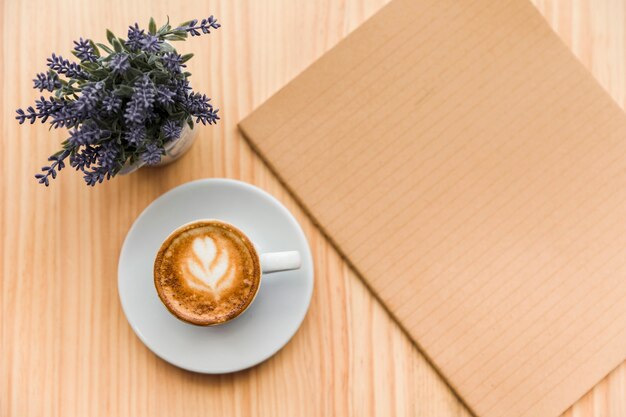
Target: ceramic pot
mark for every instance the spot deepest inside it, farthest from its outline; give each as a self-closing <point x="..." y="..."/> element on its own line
<point x="173" y="150"/>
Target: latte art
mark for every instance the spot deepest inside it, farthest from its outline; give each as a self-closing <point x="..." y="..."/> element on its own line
<point x="207" y="272"/>
<point x="209" y="268"/>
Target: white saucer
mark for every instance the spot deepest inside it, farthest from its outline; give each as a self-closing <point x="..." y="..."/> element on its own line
<point x="277" y="311"/>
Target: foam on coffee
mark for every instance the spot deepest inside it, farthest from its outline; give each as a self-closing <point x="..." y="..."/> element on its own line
<point x="207" y="272"/>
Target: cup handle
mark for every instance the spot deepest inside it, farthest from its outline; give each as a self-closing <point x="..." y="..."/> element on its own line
<point x="280" y="261"/>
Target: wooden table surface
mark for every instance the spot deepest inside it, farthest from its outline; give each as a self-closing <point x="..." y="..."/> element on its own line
<point x="66" y="348"/>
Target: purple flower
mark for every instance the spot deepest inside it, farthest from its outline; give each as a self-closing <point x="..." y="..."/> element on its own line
<point x="89" y="98"/>
<point x="151" y="44"/>
<point x="63" y="66"/>
<point x="198" y="105"/>
<point x="30" y="115"/>
<point x="83" y="158"/>
<point x="152" y="154"/>
<point x="52" y="169"/>
<point x="119" y="64"/>
<point x="49" y="81"/>
<point x="182" y="88"/>
<point x="139" y="108"/>
<point x="165" y="96"/>
<point x="171" y="130"/>
<point x="135" y="38"/>
<point x="144" y="91"/>
<point x="173" y="61"/>
<point x="205" y="26"/>
<point x="135" y="135"/>
<point x="66" y="116"/>
<point x="84" y="51"/>
<point x="87" y="134"/>
<point x="96" y="176"/>
<point x="108" y="153"/>
<point x="111" y="104"/>
<point x="45" y="109"/>
<point x="134" y="113"/>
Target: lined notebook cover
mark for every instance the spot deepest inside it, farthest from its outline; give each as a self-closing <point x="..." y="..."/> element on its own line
<point x="474" y="174"/>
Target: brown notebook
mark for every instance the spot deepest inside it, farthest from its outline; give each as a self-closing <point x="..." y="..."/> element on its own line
<point x="474" y="174"/>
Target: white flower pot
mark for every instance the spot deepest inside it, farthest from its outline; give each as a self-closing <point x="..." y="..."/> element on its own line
<point x="173" y="150"/>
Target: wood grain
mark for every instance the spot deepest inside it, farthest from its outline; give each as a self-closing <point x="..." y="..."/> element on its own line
<point x="66" y="348"/>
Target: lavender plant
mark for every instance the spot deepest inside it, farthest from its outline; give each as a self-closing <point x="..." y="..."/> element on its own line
<point x="122" y="102"/>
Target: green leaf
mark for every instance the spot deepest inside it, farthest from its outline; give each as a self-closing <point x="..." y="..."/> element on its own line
<point x="110" y="36"/>
<point x="124" y="91"/>
<point x="165" y="28"/>
<point x="132" y="74"/>
<point x="142" y="63"/>
<point x="190" y="123"/>
<point x="166" y="47"/>
<point x="96" y="51"/>
<point x="117" y="45"/>
<point x="152" y="26"/>
<point x="101" y="73"/>
<point x="175" y="37"/>
<point x="187" y="57"/>
<point x="106" y="48"/>
<point x="185" y="24"/>
<point x="89" y="66"/>
<point x="160" y="75"/>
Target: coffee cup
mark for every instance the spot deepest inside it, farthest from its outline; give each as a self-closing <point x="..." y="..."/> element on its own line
<point x="208" y="272"/>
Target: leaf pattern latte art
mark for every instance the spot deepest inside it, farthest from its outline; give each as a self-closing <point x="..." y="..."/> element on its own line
<point x="209" y="268"/>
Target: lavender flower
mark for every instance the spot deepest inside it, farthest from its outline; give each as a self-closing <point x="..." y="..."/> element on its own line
<point x="84" y="158"/>
<point x="52" y="169"/>
<point x="111" y="104"/>
<point x="135" y="135"/>
<point x="49" y="81"/>
<point x="198" y="105"/>
<point x="182" y="88"/>
<point x="171" y="130"/>
<point x="139" y="108"/>
<point x="205" y="26"/>
<point x="58" y="109"/>
<point x="165" y="96"/>
<point x="152" y="154"/>
<point x="173" y="61"/>
<point x="87" y="102"/>
<point x="144" y="92"/>
<point x="121" y="107"/>
<point x="151" y="44"/>
<point x="63" y="66"/>
<point x="45" y="108"/>
<point x="30" y="115"/>
<point x="135" y="38"/>
<point x="65" y="116"/>
<point x="119" y="64"/>
<point x="96" y="176"/>
<point x="87" y="134"/>
<point x="134" y="113"/>
<point x="107" y="156"/>
<point x="84" y="51"/>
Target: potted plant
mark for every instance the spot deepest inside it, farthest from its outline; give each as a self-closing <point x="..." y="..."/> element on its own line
<point x="125" y="104"/>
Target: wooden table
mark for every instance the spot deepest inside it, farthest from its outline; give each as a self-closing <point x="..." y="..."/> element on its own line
<point x="66" y="348"/>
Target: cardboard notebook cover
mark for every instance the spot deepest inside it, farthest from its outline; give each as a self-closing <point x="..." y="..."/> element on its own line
<point x="474" y="174"/>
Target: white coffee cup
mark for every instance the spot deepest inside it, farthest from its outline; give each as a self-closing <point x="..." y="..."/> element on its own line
<point x="206" y="280"/>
